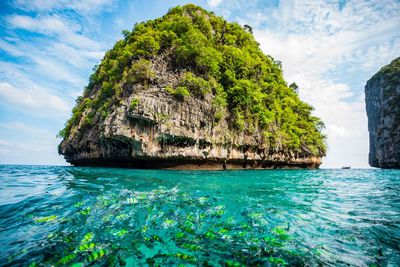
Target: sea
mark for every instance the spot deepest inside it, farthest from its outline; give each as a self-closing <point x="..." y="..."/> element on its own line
<point x="73" y="216"/>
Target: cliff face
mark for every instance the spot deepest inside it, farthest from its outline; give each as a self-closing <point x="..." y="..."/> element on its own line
<point x="179" y="102"/>
<point x="382" y="97"/>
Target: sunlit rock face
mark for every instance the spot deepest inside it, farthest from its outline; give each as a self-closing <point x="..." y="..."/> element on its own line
<point x="165" y="132"/>
<point x="382" y="97"/>
<point x="158" y="101"/>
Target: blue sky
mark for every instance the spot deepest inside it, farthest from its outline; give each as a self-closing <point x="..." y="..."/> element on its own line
<point x="330" y="49"/>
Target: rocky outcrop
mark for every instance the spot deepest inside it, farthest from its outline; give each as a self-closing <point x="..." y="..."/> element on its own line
<point x="165" y="132"/>
<point x="158" y="101"/>
<point x="382" y="97"/>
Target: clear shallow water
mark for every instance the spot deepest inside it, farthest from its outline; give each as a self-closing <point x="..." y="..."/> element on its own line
<point x="95" y="216"/>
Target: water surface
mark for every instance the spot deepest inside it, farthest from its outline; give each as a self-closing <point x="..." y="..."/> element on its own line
<point x="96" y="216"/>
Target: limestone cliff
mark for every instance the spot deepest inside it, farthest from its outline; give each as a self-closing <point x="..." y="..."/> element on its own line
<point x="191" y="91"/>
<point x="382" y="97"/>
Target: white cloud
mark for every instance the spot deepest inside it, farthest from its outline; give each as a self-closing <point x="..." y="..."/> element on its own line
<point x="87" y="6"/>
<point x="4" y="147"/>
<point x="4" y="142"/>
<point x="34" y="98"/>
<point x="22" y="127"/>
<point x="13" y="72"/>
<point x="37" y="4"/>
<point x="57" y="61"/>
<point x="11" y="49"/>
<point x="214" y="3"/>
<point x="54" y="26"/>
<point x="43" y="72"/>
<point x="4" y="151"/>
<point x="47" y="25"/>
<point x="25" y="77"/>
<point x="28" y="144"/>
<point x="90" y="5"/>
<point x="53" y="69"/>
<point x="49" y="58"/>
<point x="77" y="58"/>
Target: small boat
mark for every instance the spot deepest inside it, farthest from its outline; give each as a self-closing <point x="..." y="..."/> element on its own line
<point x="346" y="167"/>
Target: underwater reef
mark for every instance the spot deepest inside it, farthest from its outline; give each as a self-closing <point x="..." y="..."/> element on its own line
<point x="163" y="227"/>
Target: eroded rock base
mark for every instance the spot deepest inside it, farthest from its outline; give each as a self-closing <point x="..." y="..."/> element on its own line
<point x="180" y="164"/>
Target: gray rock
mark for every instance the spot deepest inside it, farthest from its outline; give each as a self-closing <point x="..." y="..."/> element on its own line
<point x="382" y="97"/>
<point x="165" y="132"/>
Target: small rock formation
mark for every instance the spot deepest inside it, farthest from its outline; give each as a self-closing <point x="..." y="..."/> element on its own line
<point x="382" y="97"/>
<point x="191" y="91"/>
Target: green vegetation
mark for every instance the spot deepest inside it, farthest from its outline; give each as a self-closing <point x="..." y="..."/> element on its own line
<point x="179" y="92"/>
<point x="215" y="58"/>
<point x="190" y="84"/>
<point x="46" y="219"/>
<point x="134" y="103"/>
<point x="141" y="71"/>
<point x="390" y="72"/>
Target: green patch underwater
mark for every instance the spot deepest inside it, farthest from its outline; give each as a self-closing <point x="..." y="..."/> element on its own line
<point x="63" y="216"/>
<point x="165" y="227"/>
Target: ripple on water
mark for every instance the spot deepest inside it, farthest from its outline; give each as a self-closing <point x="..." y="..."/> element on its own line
<point x="64" y="216"/>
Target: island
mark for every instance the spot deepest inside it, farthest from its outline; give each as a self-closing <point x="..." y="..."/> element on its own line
<point x="382" y="97"/>
<point x="190" y="90"/>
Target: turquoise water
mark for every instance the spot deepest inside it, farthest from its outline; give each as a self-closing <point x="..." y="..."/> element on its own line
<point x="102" y="217"/>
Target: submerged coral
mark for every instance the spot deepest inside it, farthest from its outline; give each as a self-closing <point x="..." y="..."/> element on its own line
<point x="165" y="227"/>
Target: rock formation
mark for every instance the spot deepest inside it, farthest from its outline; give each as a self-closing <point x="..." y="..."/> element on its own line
<point x="382" y="97"/>
<point x="191" y="91"/>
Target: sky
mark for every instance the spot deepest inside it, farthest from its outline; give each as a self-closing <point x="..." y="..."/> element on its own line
<point x="329" y="48"/>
